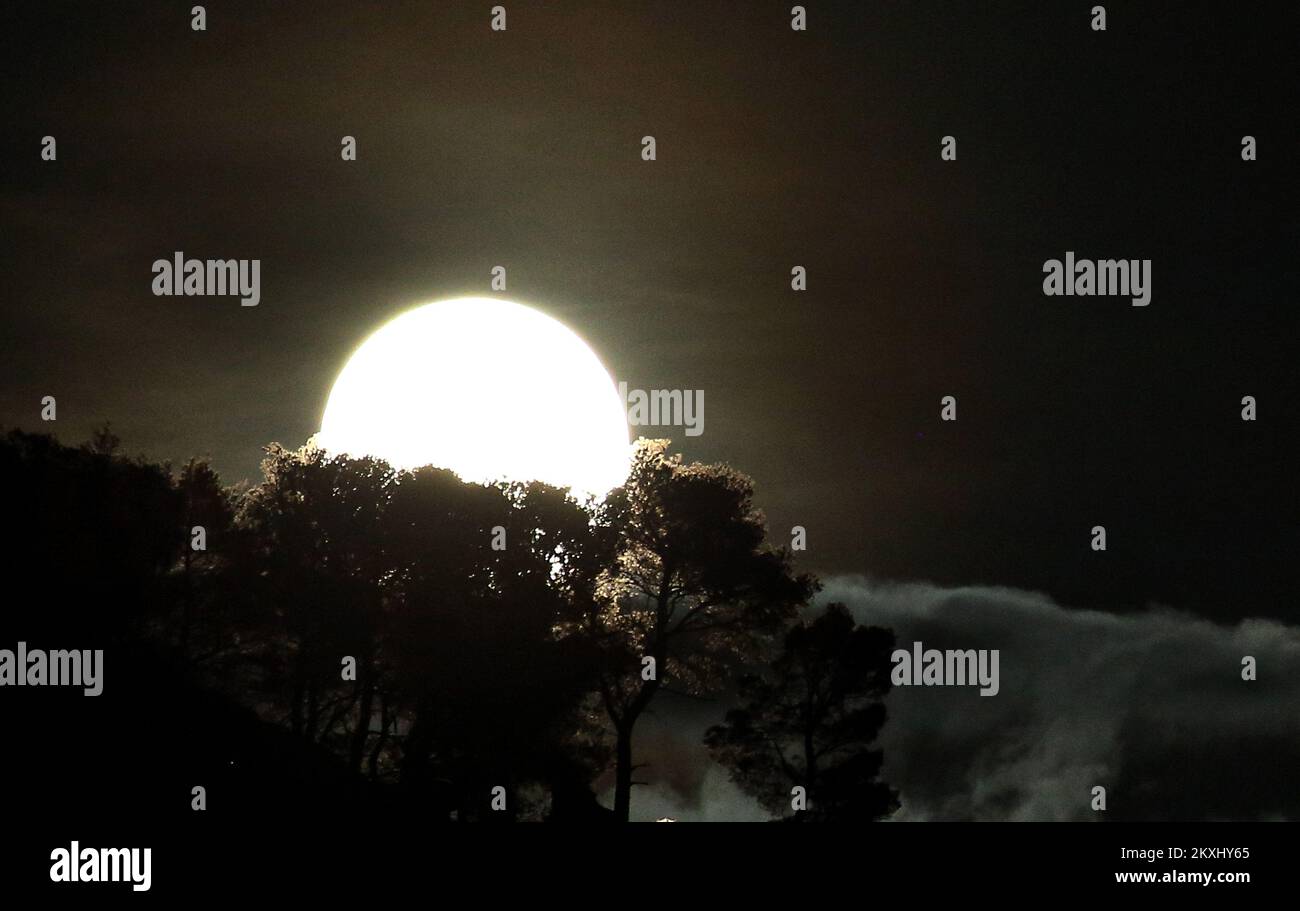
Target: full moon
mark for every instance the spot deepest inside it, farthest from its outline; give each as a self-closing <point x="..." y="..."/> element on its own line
<point x="490" y="389"/>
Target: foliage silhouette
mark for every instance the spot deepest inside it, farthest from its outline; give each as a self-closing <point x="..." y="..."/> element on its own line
<point x="493" y="636"/>
<point x="692" y="585"/>
<point x="810" y="723"/>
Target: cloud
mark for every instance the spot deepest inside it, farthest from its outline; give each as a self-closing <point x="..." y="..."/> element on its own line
<point x="1149" y="705"/>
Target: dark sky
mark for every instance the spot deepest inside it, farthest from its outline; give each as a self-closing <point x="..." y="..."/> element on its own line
<point x="775" y="149"/>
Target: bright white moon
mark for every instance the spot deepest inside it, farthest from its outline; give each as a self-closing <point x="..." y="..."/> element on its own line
<point x="488" y="388"/>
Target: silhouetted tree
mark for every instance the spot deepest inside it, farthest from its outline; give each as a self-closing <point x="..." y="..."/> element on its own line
<point x="810" y="723"/>
<point x="95" y="538"/>
<point x="498" y="631"/>
<point x="103" y="441"/>
<point x="97" y="531"/>
<point x="208" y="506"/>
<point x="321" y="551"/>
<point x="693" y="585"/>
<point x="483" y="575"/>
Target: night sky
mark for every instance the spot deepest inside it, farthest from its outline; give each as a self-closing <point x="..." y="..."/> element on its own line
<point x="775" y="148"/>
